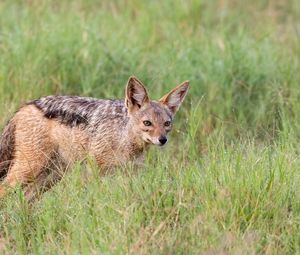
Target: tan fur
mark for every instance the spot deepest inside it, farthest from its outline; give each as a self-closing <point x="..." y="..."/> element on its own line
<point x="39" y="140"/>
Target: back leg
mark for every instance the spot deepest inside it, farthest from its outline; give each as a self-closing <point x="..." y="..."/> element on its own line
<point x="26" y="168"/>
<point x="33" y="147"/>
<point x="47" y="178"/>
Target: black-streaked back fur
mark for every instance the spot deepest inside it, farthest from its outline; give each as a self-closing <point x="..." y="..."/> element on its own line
<point x="75" y="111"/>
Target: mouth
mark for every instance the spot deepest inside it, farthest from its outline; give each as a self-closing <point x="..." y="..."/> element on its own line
<point x="157" y="144"/>
<point x="149" y="141"/>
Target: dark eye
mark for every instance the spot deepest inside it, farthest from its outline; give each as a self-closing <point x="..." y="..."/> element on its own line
<point x="147" y="123"/>
<point x="167" y="123"/>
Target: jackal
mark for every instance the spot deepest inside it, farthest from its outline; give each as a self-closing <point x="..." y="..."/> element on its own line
<point x="69" y="128"/>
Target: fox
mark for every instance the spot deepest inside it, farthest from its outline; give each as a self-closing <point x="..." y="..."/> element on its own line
<point x="66" y="129"/>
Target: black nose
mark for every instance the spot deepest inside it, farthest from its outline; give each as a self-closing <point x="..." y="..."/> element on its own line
<point x="162" y="140"/>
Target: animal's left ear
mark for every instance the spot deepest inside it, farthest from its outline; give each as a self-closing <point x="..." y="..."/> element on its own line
<point x="175" y="97"/>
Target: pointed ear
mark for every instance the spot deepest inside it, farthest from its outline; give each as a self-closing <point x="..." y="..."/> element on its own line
<point x="136" y="94"/>
<point x="175" y="97"/>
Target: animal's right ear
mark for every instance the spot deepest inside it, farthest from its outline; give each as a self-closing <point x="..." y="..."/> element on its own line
<point x="175" y="97"/>
<point x="136" y="94"/>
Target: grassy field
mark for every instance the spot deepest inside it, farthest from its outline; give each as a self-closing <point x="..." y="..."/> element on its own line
<point x="228" y="182"/>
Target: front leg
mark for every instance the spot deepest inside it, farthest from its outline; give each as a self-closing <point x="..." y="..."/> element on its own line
<point x="139" y="162"/>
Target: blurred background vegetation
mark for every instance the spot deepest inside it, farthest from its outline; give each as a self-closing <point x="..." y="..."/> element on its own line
<point x="242" y="58"/>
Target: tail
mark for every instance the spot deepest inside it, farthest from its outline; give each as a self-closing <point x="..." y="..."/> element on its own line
<point x="7" y="144"/>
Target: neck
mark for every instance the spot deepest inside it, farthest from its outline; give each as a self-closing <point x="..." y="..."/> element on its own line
<point x="132" y="141"/>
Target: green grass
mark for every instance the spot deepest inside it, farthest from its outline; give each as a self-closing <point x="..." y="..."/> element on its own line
<point x="228" y="182"/>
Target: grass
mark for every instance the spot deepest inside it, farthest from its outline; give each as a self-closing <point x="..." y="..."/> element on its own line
<point x="228" y="181"/>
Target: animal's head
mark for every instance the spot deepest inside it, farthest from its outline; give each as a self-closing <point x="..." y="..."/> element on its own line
<point x="152" y="120"/>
